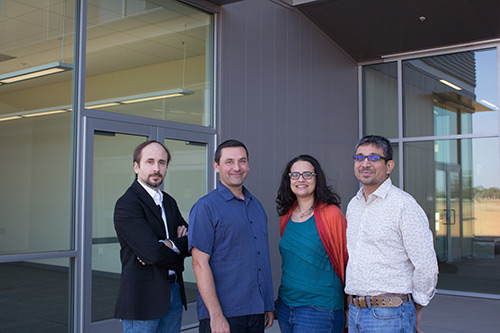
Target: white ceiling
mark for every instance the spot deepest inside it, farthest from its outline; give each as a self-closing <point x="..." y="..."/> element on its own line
<point x="121" y="34"/>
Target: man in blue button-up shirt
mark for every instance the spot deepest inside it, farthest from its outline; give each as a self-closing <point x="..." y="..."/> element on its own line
<point x="228" y="240"/>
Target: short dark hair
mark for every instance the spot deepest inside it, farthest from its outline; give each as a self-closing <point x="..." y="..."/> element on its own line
<point x="138" y="151"/>
<point x="378" y="141"/>
<point x="323" y="193"/>
<point x="227" y="144"/>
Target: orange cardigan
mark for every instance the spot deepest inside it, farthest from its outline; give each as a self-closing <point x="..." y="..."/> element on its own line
<point x="331" y="224"/>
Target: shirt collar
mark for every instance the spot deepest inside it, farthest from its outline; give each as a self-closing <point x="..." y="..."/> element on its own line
<point x="380" y="192"/>
<point x="156" y="195"/>
<point x="228" y="195"/>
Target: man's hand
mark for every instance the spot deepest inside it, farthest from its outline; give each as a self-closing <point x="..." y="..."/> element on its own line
<point x="181" y="231"/>
<point x="219" y="324"/>
<point x="419" y="316"/>
<point x="268" y="319"/>
<point x="168" y="243"/>
<point x="142" y="262"/>
<point x="206" y="287"/>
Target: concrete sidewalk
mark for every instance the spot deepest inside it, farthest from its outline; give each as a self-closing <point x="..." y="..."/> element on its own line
<point x="449" y="314"/>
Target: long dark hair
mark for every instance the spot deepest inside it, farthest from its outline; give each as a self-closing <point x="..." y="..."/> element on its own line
<point x="322" y="193"/>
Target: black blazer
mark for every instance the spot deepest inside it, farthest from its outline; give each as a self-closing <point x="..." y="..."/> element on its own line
<point x="144" y="292"/>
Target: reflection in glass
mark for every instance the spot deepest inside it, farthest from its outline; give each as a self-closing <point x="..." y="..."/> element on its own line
<point x="457" y="182"/>
<point x="113" y="174"/>
<point x="34" y="296"/>
<point x="164" y="46"/>
<point x="35" y="175"/>
<point x="32" y="36"/>
<point x="451" y="94"/>
<point x="186" y="181"/>
<point x="380" y="99"/>
<point x="35" y="142"/>
<point x="395" y="171"/>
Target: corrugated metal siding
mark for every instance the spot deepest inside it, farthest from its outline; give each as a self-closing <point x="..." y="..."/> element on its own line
<point x="286" y="89"/>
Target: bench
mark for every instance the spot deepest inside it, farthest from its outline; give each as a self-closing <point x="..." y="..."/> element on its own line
<point x="486" y="246"/>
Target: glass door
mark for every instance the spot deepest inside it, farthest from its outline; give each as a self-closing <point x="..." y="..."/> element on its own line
<point x="110" y="147"/>
<point x="449" y="234"/>
<point x="113" y="174"/>
<point x="186" y="182"/>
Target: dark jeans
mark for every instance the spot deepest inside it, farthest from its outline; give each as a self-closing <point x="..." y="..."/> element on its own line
<point x="309" y="319"/>
<point x="250" y="323"/>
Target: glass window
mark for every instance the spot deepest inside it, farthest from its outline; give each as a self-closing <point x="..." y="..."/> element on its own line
<point x="186" y="181"/>
<point x="113" y="174"/>
<point x="451" y="94"/>
<point x="34" y="296"/>
<point x="150" y="59"/>
<point x="395" y="171"/>
<point x="380" y="99"/>
<point x="35" y="203"/>
<point x="35" y="132"/>
<point x="457" y="182"/>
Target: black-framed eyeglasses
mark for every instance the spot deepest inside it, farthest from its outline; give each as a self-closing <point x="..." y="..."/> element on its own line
<point x="306" y="175"/>
<point x="371" y="158"/>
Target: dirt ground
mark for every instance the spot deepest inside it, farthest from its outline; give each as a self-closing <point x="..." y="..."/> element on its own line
<point x="487" y="214"/>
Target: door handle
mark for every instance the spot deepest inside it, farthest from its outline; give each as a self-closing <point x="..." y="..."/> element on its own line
<point x="448" y="216"/>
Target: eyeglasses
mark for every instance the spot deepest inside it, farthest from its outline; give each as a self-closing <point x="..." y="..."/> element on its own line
<point x="371" y="158"/>
<point x="306" y="175"/>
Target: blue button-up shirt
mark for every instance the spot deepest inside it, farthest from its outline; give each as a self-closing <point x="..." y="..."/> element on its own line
<point x="234" y="233"/>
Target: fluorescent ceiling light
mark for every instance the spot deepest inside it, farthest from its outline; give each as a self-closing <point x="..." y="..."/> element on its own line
<point x="100" y="104"/>
<point x="10" y="118"/>
<point x="138" y="98"/>
<point x="449" y="84"/>
<point x="489" y="104"/>
<point x="30" y="73"/>
<point x="45" y="113"/>
<point x="104" y="105"/>
<point x="32" y="113"/>
<point x="145" y="99"/>
<point x="156" y="95"/>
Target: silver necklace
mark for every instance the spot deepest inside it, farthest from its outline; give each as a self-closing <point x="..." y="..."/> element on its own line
<point x="307" y="212"/>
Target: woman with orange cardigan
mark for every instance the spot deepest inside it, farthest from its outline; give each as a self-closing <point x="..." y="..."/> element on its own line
<point x="313" y="251"/>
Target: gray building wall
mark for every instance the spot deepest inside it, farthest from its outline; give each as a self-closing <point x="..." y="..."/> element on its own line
<point x="285" y="89"/>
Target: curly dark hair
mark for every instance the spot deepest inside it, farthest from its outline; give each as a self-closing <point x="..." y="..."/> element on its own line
<point x="322" y="193"/>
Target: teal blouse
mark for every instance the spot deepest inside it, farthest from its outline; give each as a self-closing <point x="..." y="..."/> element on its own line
<point x="308" y="277"/>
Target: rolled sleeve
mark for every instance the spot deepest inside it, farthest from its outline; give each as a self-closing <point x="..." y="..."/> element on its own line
<point x="419" y="245"/>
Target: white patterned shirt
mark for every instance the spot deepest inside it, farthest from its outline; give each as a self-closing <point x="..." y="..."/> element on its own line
<point x="390" y="246"/>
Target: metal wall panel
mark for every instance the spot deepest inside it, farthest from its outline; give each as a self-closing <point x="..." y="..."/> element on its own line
<point x="285" y="89"/>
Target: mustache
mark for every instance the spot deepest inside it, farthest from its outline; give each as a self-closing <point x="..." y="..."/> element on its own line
<point x="156" y="174"/>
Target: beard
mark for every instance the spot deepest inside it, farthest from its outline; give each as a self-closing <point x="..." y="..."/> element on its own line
<point x="152" y="183"/>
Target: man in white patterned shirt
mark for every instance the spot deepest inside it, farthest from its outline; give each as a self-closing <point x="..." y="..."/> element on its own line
<point x="392" y="270"/>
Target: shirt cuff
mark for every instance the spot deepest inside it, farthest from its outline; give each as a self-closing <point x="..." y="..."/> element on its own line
<point x="174" y="247"/>
<point x="423" y="299"/>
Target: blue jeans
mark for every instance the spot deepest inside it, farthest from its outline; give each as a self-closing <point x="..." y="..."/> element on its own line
<point x="251" y="323"/>
<point x="169" y="323"/>
<point x="309" y="319"/>
<point x="388" y="320"/>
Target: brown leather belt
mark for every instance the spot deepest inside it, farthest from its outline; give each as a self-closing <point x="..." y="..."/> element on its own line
<point x="380" y="301"/>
